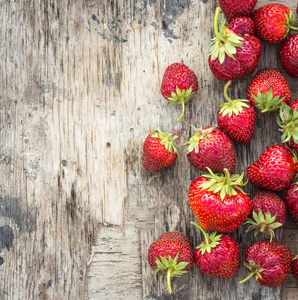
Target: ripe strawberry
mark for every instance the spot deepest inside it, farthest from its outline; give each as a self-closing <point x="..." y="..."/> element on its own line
<point x="294" y="104"/>
<point x="179" y="84"/>
<point x="268" y="262"/>
<point x="288" y="55"/>
<point x="237" y="118"/>
<point x="242" y="25"/>
<point x="273" y="22"/>
<point x="232" y="56"/>
<point x="171" y="255"/>
<point x="236" y="8"/>
<point x="294" y="267"/>
<point x="291" y="201"/>
<point x="268" y="213"/>
<point x="217" y="201"/>
<point x="210" y="147"/>
<point x="288" y="121"/>
<point x="159" y="151"/>
<point x="268" y="89"/>
<point x="274" y="170"/>
<point x="218" y="255"/>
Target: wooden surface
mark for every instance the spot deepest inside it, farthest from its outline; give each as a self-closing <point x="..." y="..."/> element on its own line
<point x="79" y="92"/>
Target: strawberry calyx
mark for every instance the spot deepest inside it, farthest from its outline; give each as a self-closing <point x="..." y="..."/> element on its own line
<point x="167" y="140"/>
<point x="194" y="141"/>
<point x="264" y="224"/>
<point x="255" y="270"/>
<point x="171" y="268"/>
<point x="290" y="22"/>
<point x="266" y="101"/>
<point x="288" y="122"/>
<point x="181" y="97"/>
<point x="211" y="240"/>
<point x="232" y="106"/>
<point x="225" y="184"/>
<point x="225" y="41"/>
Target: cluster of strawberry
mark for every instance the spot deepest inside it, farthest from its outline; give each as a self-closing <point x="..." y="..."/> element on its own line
<point x="216" y="198"/>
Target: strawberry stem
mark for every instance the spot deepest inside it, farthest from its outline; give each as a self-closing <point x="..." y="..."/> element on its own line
<point x="169" y="281"/>
<point x="225" y="92"/>
<point x="205" y="235"/>
<point x="219" y="37"/>
<point x="183" y="108"/>
<point x="292" y="27"/>
<point x="249" y="276"/>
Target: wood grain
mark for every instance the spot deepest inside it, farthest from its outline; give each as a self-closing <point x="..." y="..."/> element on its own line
<point x="79" y="92"/>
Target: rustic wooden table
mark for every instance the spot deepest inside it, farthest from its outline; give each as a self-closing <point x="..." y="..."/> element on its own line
<point x="79" y="92"/>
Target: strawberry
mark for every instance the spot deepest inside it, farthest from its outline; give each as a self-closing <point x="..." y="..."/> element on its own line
<point x="242" y="25"/>
<point x="171" y="255"/>
<point x="217" y="201"/>
<point x="268" y="89"/>
<point x="268" y="262"/>
<point x="211" y="147"/>
<point x="268" y="213"/>
<point x="159" y="151"/>
<point x="294" y="104"/>
<point x="236" y="8"/>
<point x="291" y="201"/>
<point x="179" y="84"/>
<point x="294" y="267"/>
<point x="237" y="118"/>
<point x="274" y="170"/>
<point x="288" y="55"/>
<point x="218" y="255"/>
<point x="232" y="56"/>
<point x="273" y="22"/>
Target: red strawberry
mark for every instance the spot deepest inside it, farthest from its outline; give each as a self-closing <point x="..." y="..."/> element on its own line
<point x="210" y="147"/>
<point x="268" y="213"/>
<point x="217" y="205"/>
<point x="291" y="201"/>
<point x="237" y="8"/>
<point x="268" y="89"/>
<point x="179" y="84"/>
<point x="237" y="118"/>
<point x="294" y="267"/>
<point x="232" y="56"/>
<point x="218" y="255"/>
<point x="242" y="25"/>
<point x="288" y="55"/>
<point x="171" y="255"/>
<point x="159" y="151"/>
<point x="268" y="262"/>
<point x="288" y="122"/>
<point x="294" y="104"/>
<point x="274" y="170"/>
<point x="273" y="22"/>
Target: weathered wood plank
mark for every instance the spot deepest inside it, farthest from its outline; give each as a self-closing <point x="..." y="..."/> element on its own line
<point x="161" y="199"/>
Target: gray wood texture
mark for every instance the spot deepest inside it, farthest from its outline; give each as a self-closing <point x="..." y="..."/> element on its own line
<point x="79" y="92"/>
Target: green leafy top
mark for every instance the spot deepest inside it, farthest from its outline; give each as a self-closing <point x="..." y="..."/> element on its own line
<point x="288" y="122"/>
<point x="225" y="42"/>
<point x="266" y="101"/>
<point x="264" y="224"/>
<point x="225" y="184"/>
<point x="167" y="140"/>
<point x="290" y="22"/>
<point x="194" y="141"/>
<point x="171" y="267"/>
<point x="181" y="97"/>
<point x="211" y="240"/>
<point x="232" y="106"/>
